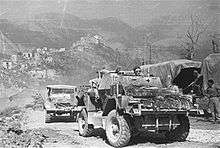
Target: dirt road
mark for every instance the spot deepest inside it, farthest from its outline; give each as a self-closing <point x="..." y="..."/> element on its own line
<point x="65" y="134"/>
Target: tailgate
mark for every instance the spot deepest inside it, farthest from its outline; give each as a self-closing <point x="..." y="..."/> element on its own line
<point x="141" y="109"/>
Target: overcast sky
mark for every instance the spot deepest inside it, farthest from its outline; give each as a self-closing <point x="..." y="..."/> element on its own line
<point x="133" y="12"/>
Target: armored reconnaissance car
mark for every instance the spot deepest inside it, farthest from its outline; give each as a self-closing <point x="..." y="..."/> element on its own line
<point x="131" y="104"/>
<point x="61" y="99"/>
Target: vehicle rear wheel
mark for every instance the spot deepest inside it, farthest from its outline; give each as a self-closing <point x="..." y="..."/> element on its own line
<point x="181" y="132"/>
<point x="117" y="130"/>
<point x="85" y="129"/>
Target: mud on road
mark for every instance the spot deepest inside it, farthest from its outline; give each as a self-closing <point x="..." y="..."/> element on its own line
<point x="61" y="133"/>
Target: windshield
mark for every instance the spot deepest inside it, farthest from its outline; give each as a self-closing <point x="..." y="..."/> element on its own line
<point x="62" y="91"/>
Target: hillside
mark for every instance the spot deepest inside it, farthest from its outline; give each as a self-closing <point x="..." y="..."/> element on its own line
<point x="126" y="32"/>
<point x="79" y="64"/>
<point x="54" y="37"/>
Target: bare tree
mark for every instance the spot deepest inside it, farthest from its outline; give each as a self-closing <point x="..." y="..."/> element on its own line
<point x="193" y="34"/>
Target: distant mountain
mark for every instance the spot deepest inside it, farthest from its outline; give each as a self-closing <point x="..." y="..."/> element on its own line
<point x="112" y="29"/>
<point x="56" y="30"/>
<point x="45" y="37"/>
<point x="53" y="28"/>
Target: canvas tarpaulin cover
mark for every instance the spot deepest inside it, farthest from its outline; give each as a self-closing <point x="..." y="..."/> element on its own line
<point x="140" y="86"/>
<point x="171" y="68"/>
<point x="110" y="78"/>
<point x="211" y="69"/>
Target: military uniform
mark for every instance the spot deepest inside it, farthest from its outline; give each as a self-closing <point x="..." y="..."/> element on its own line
<point x="94" y="97"/>
<point x="214" y="102"/>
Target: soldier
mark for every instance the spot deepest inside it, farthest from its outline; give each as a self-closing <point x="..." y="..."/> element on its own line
<point x="137" y="71"/>
<point x="212" y="93"/>
<point x="93" y="95"/>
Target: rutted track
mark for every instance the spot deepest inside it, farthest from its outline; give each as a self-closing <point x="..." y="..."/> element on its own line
<point x="202" y="134"/>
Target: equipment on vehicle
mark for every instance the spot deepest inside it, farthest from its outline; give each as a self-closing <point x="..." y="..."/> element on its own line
<point x="131" y="104"/>
<point x="181" y="73"/>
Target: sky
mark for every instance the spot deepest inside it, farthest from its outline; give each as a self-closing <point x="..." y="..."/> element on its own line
<point x="133" y="12"/>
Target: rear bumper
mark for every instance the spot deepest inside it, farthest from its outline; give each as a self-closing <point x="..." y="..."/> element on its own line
<point x="140" y="111"/>
<point x="163" y="111"/>
<point x="158" y="120"/>
<point x="57" y="111"/>
<point x="70" y="110"/>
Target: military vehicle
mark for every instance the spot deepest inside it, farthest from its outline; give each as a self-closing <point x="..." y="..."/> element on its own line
<point x="61" y="99"/>
<point x="131" y="104"/>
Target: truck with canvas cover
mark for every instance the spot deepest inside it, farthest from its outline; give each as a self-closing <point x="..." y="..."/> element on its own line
<point x="131" y="104"/>
<point x="210" y="71"/>
<point x="182" y="75"/>
<point x="61" y="99"/>
<point x="181" y="71"/>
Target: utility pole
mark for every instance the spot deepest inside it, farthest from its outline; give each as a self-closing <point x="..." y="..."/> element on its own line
<point x="149" y="46"/>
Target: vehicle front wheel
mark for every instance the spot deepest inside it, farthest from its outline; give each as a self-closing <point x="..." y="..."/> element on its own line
<point x="181" y="132"/>
<point x="85" y="129"/>
<point x="117" y="130"/>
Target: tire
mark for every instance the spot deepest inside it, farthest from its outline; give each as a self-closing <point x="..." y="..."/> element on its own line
<point x="181" y="132"/>
<point x="118" y="131"/>
<point x="85" y="129"/>
<point x="47" y="117"/>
